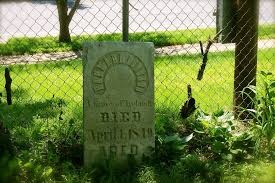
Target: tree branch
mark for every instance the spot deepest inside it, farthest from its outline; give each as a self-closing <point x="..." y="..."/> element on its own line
<point x="73" y="10"/>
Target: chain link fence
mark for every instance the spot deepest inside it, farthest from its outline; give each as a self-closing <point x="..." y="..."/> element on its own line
<point x="176" y="27"/>
<point x="47" y="75"/>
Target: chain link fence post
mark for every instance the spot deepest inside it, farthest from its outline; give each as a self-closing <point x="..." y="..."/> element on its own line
<point x="125" y="21"/>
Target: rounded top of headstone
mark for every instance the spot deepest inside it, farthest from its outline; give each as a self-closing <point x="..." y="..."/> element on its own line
<point x="126" y="69"/>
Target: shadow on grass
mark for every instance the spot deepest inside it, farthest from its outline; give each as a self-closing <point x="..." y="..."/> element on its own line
<point x="24" y="113"/>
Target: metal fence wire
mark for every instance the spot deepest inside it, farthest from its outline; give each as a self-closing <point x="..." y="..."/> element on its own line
<point x="47" y="75"/>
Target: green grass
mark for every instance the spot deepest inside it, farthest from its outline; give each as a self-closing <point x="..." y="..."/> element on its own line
<point x="19" y="46"/>
<point x="216" y="88"/>
<point x="256" y="172"/>
<point x="259" y="171"/>
<point x="172" y="74"/>
<point x="267" y="31"/>
<point x="46" y="121"/>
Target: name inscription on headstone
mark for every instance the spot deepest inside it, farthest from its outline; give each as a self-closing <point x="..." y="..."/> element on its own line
<point x="118" y="100"/>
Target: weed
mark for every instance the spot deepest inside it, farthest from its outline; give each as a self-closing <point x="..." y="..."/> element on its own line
<point x="264" y="111"/>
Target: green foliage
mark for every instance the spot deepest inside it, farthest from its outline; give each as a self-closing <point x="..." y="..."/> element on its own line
<point x="217" y="137"/>
<point x="165" y="124"/>
<point x="189" y="168"/>
<point x="35" y="172"/>
<point x="69" y="173"/>
<point x="243" y="145"/>
<point x="111" y="171"/>
<point x="264" y="112"/>
<point x="9" y="168"/>
<point x="258" y="171"/>
<point x="147" y="174"/>
<point x="192" y="168"/>
<point x="169" y="149"/>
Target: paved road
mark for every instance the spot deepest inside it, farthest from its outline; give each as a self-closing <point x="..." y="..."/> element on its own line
<point x="104" y="16"/>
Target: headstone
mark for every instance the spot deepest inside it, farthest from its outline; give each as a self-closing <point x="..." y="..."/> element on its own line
<point x="118" y="100"/>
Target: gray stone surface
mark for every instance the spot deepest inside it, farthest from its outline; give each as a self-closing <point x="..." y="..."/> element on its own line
<point x="118" y="100"/>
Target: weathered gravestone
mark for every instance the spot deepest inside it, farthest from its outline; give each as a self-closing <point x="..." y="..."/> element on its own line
<point x="118" y="100"/>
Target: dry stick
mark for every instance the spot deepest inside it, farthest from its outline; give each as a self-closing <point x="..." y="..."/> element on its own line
<point x="204" y="59"/>
<point x="8" y="85"/>
<point x="201" y="48"/>
<point x="205" y="54"/>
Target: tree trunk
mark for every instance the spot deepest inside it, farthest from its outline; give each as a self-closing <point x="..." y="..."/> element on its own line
<point x="245" y="56"/>
<point x="64" y="32"/>
<point x="64" y="35"/>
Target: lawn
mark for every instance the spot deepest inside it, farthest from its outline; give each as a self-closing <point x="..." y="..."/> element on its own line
<point x="19" y="46"/>
<point x="172" y="74"/>
<point x="45" y="123"/>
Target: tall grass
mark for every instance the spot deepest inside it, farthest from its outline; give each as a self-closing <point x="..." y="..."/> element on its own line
<point x="264" y="111"/>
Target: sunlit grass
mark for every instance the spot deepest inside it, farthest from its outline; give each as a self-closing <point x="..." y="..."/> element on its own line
<point x="23" y="45"/>
<point x="172" y="74"/>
